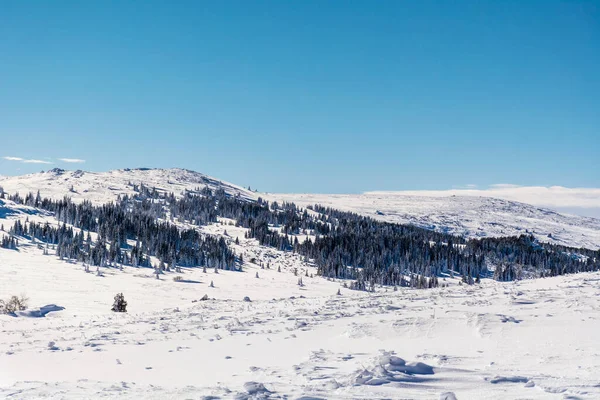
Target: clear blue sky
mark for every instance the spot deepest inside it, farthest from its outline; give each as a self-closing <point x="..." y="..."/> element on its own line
<point x="307" y="96"/>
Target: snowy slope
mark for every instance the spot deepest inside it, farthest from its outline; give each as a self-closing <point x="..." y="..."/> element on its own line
<point x="469" y="216"/>
<point x="11" y="210"/>
<point x="527" y="339"/>
<point x="579" y="201"/>
<point x="463" y="215"/>
<point x="101" y="187"/>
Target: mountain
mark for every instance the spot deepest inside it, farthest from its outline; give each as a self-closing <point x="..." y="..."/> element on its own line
<point x="102" y="187"/>
<point x="223" y="302"/>
<point x="467" y="216"/>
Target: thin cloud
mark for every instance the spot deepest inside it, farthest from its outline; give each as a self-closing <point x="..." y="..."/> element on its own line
<point x="469" y="186"/>
<point x="26" y="161"/>
<point x="72" y="160"/>
<point x="504" y="186"/>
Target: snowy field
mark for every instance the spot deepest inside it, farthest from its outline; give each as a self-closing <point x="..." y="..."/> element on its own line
<point x="529" y="339"/>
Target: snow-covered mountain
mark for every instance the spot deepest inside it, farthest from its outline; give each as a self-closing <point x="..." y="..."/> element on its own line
<point x="102" y="187"/>
<point x="275" y="328"/>
<point x="467" y="216"/>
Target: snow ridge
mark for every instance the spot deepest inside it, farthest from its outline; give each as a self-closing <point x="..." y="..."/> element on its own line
<point x="103" y="187"/>
<point x="467" y="216"/>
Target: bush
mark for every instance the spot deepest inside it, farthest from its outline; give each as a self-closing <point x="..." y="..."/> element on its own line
<point x="120" y="305"/>
<point x="178" y="278"/>
<point x="13" y="304"/>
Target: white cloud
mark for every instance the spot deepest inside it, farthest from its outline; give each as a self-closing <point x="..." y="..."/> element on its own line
<point x="503" y="186"/>
<point x="72" y="160"/>
<point x="26" y="161"/>
<point x="469" y="186"/>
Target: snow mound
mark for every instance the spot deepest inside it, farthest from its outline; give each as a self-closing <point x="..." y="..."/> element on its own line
<point x="39" y="312"/>
<point x="509" y="379"/>
<point x="448" y="396"/>
<point x="253" y="390"/>
<point x="393" y="369"/>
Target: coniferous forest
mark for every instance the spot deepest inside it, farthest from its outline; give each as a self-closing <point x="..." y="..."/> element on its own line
<point x="340" y="244"/>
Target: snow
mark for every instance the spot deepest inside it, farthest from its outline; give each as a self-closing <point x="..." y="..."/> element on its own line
<point x="39" y="312"/>
<point x="186" y="338"/>
<point x="469" y="213"/>
<point x="581" y="201"/>
<point x="479" y="341"/>
<point x="102" y="187"/>
<point x="467" y="216"/>
<point x="9" y="209"/>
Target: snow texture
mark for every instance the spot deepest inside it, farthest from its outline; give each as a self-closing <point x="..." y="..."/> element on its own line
<point x="531" y="339"/>
<point x="472" y="217"/>
<point x="290" y="341"/>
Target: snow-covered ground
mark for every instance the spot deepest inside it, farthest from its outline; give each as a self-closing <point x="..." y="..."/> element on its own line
<point x="580" y="201"/>
<point x="467" y="216"/>
<point x="102" y="187"/>
<point x="530" y="339"/>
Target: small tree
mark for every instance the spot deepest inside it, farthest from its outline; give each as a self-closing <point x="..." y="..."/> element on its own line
<point x="120" y="305"/>
<point x="13" y="304"/>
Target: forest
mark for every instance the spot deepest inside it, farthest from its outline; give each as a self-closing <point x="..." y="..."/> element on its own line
<point x="340" y="244"/>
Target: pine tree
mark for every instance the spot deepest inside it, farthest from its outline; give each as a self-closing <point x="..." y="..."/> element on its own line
<point x="119" y="305"/>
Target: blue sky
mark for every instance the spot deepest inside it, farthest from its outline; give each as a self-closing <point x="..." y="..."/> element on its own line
<point x="307" y="96"/>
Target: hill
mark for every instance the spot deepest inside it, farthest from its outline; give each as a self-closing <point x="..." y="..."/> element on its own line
<point x="467" y="216"/>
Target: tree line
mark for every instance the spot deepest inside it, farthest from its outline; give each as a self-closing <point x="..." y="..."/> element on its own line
<point x="340" y="244"/>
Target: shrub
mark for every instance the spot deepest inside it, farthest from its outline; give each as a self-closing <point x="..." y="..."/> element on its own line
<point x="120" y="305"/>
<point x="13" y="304"/>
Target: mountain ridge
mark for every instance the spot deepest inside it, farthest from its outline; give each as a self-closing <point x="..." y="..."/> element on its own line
<point x="467" y="216"/>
